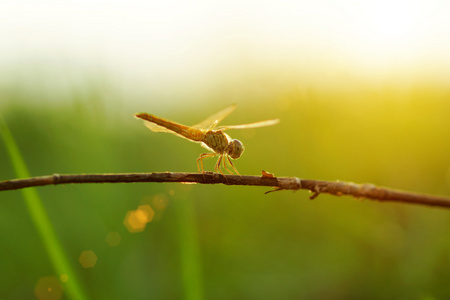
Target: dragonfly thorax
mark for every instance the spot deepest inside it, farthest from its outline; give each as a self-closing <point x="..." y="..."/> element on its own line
<point x="221" y="143"/>
<point x="235" y="149"/>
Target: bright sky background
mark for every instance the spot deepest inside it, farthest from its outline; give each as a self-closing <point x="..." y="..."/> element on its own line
<point x="174" y="40"/>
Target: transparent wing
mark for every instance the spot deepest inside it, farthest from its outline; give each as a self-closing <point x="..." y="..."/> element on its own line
<point x="215" y="119"/>
<point x="156" y="128"/>
<point x="251" y="125"/>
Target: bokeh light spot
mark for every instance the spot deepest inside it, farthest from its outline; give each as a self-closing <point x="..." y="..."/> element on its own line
<point x="48" y="288"/>
<point x="160" y="202"/>
<point x="141" y="215"/>
<point x="136" y="220"/>
<point x="88" y="259"/>
<point x="148" y="211"/>
<point x="64" y="278"/>
<point x="113" y="238"/>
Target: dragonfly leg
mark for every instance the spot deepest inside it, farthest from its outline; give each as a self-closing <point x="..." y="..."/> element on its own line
<point x="234" y="168"/>
<point x="200" y="158"/>
<point x="217" y="167"/>
<point x="225" y="165"/>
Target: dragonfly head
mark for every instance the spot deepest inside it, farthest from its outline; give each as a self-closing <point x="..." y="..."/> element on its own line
<point x="235" y="149"/>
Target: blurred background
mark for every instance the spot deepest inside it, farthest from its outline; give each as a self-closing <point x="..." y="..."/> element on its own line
<point x="362" y="89"/>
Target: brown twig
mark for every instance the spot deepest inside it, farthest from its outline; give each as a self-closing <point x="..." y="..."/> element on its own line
<point x="336" y="188"/>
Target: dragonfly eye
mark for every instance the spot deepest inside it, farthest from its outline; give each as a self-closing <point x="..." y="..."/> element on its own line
<point x="235" y="149"/>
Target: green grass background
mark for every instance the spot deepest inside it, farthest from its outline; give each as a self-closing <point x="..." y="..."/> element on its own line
<point x="232" y="242"/>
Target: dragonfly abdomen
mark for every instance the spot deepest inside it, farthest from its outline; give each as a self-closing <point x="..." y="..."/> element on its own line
<point x="186" y="131"/>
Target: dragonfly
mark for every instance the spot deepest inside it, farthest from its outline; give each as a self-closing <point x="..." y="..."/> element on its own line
<point x="208" y="135"/>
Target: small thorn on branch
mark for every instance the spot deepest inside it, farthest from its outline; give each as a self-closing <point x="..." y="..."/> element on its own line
<point x="314" y="196"/>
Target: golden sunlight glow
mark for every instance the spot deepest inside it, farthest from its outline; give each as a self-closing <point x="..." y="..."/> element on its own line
<point x="88" y="259"/>
<point x="191" y="41"/>
<point x="387" y="31"/>
<point x="48" y="288"/>
<point x="389" y="19"/>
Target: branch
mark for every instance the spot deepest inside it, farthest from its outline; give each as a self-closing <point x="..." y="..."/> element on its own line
<point x="336" y="188"/>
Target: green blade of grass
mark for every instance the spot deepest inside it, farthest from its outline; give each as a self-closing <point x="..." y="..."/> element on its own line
<point x="189" y="250"/>
<point x="41" y="220"/>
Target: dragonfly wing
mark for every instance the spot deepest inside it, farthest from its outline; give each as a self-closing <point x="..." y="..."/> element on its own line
<point x="251" y="125"/>
<point x="156" y="128"/>
<point x="215" y="119"/>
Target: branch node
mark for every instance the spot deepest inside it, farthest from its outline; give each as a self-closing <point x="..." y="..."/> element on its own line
<point x="56" y="178"/>
<point x="289" y="183"/>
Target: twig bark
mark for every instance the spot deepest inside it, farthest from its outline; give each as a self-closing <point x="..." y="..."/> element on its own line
<point x="337" y="188"/>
